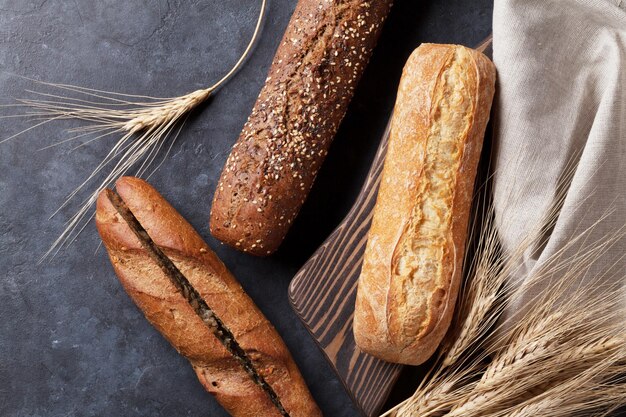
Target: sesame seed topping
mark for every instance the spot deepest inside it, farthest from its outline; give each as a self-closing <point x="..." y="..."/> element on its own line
<point x="287" y="135"/>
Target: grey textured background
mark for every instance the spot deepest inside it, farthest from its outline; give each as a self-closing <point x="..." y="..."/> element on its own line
<point x="71" y="342"/>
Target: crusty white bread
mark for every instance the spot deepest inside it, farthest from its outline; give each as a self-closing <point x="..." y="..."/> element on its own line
<point x="413" y="261"/>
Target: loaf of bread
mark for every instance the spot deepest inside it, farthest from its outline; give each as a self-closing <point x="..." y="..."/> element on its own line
<point x="187" y="293"/>
<point x="272" y="166"/>
<point x="413" y="261"/>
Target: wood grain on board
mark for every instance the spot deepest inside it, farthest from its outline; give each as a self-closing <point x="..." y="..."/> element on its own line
<point x="323" y="294"/>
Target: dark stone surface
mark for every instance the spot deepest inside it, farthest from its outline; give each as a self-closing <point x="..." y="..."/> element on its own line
<point x="71" y="342"/>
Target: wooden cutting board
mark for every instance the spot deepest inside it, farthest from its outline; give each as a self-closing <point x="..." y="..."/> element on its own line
<point x="323" y="293"/>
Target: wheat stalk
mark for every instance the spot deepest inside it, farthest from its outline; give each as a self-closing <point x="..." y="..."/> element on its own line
<point x="596" y="390"/>
<point x="438" y="399"/>
<point x="536" y="362"/>
<point x="143" y="124"/>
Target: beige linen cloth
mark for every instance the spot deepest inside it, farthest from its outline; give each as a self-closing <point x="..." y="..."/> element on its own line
<point x="561" y="96"/>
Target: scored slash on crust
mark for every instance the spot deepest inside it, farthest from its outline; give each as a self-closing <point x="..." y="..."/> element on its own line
<point x="195" y="300"/>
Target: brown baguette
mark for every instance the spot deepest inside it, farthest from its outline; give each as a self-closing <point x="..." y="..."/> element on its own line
<point x="413" y="260"/>
<point x="209" y="347"/>
<point x="273" y="164"/>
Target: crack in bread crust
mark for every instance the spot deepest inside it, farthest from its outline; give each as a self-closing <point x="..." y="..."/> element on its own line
<point x="419" y="283"/>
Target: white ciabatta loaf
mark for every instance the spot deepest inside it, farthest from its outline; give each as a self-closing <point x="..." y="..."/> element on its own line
<point x="413" y="261"/>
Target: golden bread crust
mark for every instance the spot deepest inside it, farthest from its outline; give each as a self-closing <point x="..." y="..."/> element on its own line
<point x="413" y="261"/>
<point x="170" y="313"/>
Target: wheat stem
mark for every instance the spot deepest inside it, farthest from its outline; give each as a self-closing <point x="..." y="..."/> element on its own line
<point x="144" y="123"/>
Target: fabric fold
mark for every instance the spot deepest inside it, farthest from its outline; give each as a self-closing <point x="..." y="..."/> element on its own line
<point x="560" y="106"/>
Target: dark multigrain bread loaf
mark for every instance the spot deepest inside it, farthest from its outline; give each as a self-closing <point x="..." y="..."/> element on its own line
<point x="273" y="164"/>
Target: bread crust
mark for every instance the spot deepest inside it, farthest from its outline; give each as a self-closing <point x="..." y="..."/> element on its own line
<point x="272" y="166"/>
<point x="170" y="313"/>
<point x="413" y="261"/>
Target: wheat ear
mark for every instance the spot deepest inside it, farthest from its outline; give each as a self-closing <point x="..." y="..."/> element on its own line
<point x="548" y="353"/>
<point x="143" y="124"/>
